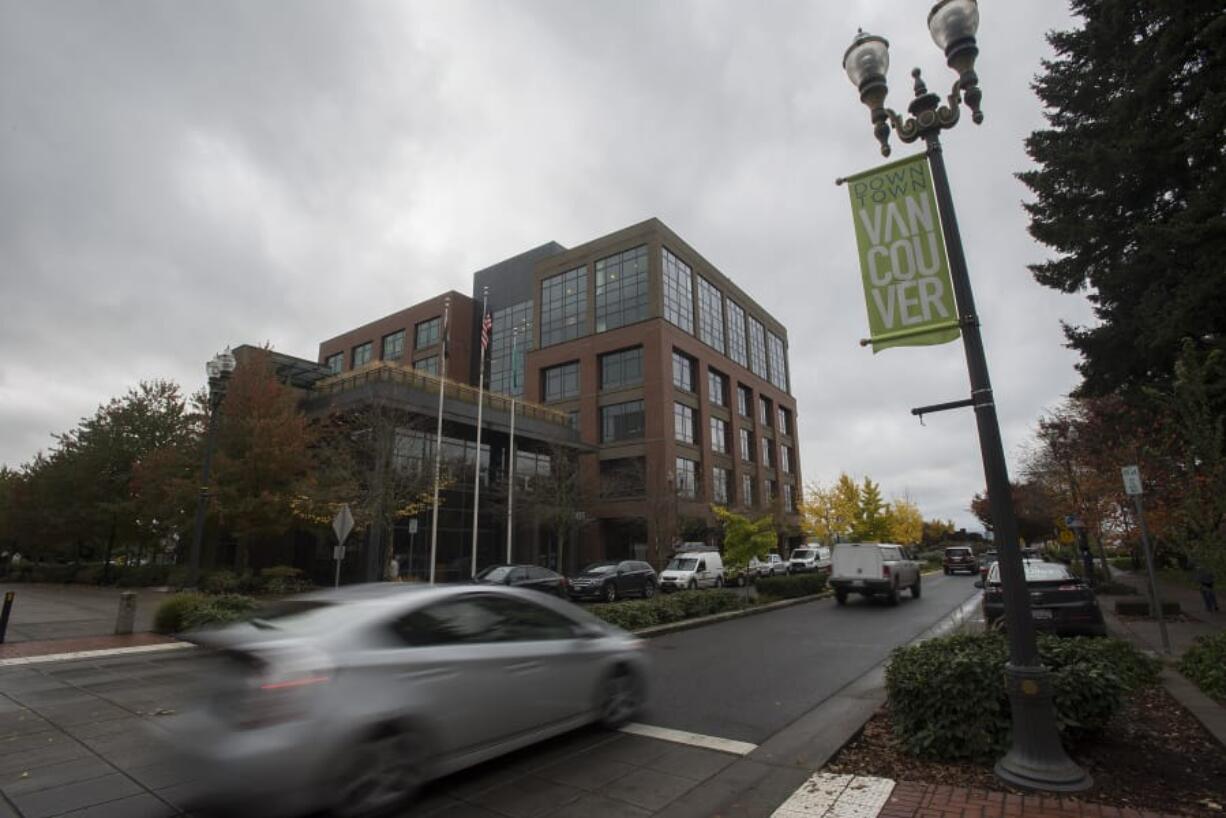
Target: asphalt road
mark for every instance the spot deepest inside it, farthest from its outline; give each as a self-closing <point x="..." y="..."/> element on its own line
<point x="748" y="678"/>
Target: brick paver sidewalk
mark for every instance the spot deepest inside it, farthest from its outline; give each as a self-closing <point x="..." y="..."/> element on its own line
<point x="46" y="647"/>
<point x="913" y="800"/>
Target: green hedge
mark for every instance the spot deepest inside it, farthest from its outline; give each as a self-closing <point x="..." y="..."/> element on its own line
<point x="1205" y="664"/>
<point x="947" y="695"/>
<point x="660" y="610"/>
<point x="190" y="610"/>
<point x="791" y="585"/>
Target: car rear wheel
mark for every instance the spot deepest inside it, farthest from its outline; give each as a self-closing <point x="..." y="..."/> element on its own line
<point x="383" y="772"/>
<point x="892" y="597"/>
<point x="840" y="597"/>
<point x="719" y="582"/>
<point x="610" y="593"/>
<point x="649" y="590"/>
<point x="948" y="572"/>
<point x="621" y="697"/>
<point x="915" y="589"/>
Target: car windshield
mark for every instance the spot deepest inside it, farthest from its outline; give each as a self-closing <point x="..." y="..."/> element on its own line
<point x="683" y="564"/>
<point x="957" y="552"/>
<point x="601" y="568"/>
<point x="495" y="573"/>
<point x="1035" y="572"/>
<point x="802" y="554"/>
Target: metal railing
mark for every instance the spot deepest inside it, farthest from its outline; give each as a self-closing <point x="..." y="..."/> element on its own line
<point x="383" y="372"/>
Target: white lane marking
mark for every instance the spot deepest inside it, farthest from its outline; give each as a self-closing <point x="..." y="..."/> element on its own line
<point x="724" y="745"/>
<point x="93" y="654"/>
<point x="829" y="795"/>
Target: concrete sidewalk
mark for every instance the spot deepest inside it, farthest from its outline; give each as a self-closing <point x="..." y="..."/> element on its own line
<point x="1146" y="633"/>
<point x="44" y="611"/>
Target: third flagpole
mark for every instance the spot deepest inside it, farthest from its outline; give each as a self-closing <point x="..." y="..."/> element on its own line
<point x="486" y="328"/>
<point x="438" y="439"/>
<point x="511" y="447"/>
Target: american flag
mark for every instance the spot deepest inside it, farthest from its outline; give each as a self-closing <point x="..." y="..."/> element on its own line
<point x="487" y="326"/>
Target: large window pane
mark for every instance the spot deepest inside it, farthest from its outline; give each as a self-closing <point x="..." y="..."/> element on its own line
<point x="561" y="382"/>
<point x="717" y="388"/>
<point x="621" y="289"/>
<point x="564" y="307"/>
<point x="683" y="423"/>
<point x="335" y="363"/>
<point x="510" y="342"/>
<point x="429" y="365"/>
<point x="621" y="421"/>
<point x="736" y="334"/>
<point x="710" y="314"/>
<point x="778" y="361"/>
<point x="683" y="371"/>
<point x="621" y="369"/>
<point x="747" y="490"/>
<point x="623" y="477"/>
<point x="721" y="480"/>
<point x="757" y="347"/>
<point x="427" y="333"/>
<point x="678" y="292"/>
<point x="393" y="346"/>
<point x="719" y="435"/>
<point x="687" y="477"/>
<point x="362" y="353"/>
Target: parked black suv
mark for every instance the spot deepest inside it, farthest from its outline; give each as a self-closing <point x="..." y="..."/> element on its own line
<point x="610" y="581"/>
<point x="523" y="576"/>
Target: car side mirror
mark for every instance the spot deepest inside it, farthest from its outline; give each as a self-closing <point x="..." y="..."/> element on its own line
<point x="978" y="583"/>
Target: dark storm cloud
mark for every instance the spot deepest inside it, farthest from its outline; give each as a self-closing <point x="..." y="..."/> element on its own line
<point x="177" y="177"/>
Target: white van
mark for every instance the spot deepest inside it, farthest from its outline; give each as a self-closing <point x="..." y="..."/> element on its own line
<point x="690" y="570"/>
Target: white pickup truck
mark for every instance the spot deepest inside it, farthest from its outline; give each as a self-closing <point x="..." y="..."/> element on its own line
<point x="868" y="569"/>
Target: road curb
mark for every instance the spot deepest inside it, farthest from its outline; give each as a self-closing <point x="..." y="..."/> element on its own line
<point x="687" y="624"/>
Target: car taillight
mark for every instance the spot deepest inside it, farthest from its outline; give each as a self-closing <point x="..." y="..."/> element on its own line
<point x="1070" y="588"/>
<point x="885" y="571"/>
<point x="278" y="700"/>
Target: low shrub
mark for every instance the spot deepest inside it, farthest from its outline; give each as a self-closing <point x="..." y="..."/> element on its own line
<point x="1205" y="664"/>
<point x="948" y="701"/>
<point x="1123" y="563"/>
<point x="791" y="585"/>
<point x="88" y="575"/>
<point x="190" y="610"/>
<point x="661" y="610"/>
<point x="284" y="579"/>
<point x="220" y="582"/>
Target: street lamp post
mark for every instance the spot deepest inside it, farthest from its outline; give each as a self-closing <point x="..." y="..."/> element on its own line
<point x="1036" y="759"/>
<point x="219" y="370"/>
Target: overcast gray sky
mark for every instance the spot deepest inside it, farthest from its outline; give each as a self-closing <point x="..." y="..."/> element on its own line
<point x="176" y="177"/>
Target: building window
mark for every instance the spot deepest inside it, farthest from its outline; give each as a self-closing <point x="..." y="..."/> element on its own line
<point x="362" y="353"/>
<point x="510" y="343"/>
<point x="428" y="365"/>
<point x="768" y="453"/>
<point x="678" y="292"/>
<point x="721" y="480"/>
<point x="427" y="333"/>
<point x="687" y="478"/>
<point x="764" y="411"/>
<point x="572" y="417"/>
<point x="621" y="289"/>
<point x="772" y="491"/>
<point x="564" y="307"/>
<point x="621" y="369"/>
<point x="621" y="421"/>
<point x="744" y="399"/>
<point x="785" y="421"/>
<point x="710" y="314"/>
<point x="560" y="382"/>
<point x="785" y="459"/>
<point x="789" y="497"/>
<point x="736" y="333"/>
<point x="746" y="445"/>
<point x="757" y="348"/>
<point x="684" y="424"/>
<point x="717" y="388"/>
<point x="623" y="477"/>
<point x="335" y="363"/>
<point x="778" y="361"/>
<point x="719" y="435"/>
<point x="683" y="371"/>
<point x="393" y="346"/>
<point x="747" y="490"/>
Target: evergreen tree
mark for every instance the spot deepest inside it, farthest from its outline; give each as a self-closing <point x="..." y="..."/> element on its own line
<point x="1127" y="191"/>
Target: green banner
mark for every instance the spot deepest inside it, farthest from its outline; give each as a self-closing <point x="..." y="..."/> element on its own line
<point x="902" y="256"/>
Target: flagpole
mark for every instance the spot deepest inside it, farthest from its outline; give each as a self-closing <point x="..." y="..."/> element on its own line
<point x="438" y="440"/>
<point x="485" y="337"/>
<point x="511" y="450"/>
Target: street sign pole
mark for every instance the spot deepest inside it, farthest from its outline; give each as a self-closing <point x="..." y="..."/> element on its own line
<point x="1133" y="487"/>
<point x="342" y="524"/>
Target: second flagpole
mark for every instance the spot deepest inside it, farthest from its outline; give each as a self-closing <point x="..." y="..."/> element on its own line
<point x="486" y="329"/>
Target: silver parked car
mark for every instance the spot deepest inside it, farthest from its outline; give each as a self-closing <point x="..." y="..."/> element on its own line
<point x="349" y="700"/>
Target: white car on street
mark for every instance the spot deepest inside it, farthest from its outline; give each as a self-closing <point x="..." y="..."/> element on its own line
<point x="873" y="569"/>
<point x="810" y="558"/>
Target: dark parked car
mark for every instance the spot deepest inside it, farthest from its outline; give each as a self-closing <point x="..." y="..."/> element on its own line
<point x="533" y="577"/>
<point x="986" y="560"/>
<point x="1059" y="602"/>
<point x="611" y="581"/>
<point x="960" y="558"/>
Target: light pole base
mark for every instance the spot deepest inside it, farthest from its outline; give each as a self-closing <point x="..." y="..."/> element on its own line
<point x="1037" y="760"/>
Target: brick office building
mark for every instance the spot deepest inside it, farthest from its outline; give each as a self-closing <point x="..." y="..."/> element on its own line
<point x="676" y="380"/>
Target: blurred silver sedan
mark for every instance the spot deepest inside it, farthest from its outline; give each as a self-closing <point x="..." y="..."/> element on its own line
<point x="349" y="700"/>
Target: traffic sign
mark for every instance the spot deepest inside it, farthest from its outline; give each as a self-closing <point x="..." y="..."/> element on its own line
<point x="342" y="524"/>
<point x="338" y="552"/>
<point x="413" y="526"/>
<point x="1132" y="480"/>
<point x="1073" y="521"/>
